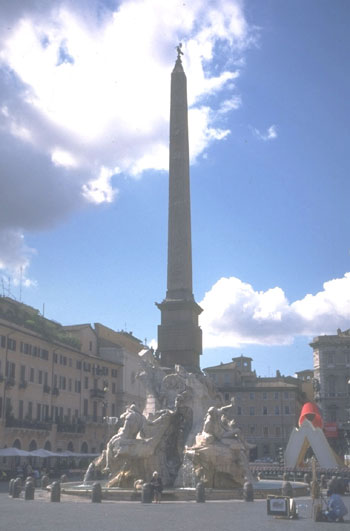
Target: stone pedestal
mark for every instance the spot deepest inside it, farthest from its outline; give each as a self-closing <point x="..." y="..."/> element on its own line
<point x="179" y="336"/>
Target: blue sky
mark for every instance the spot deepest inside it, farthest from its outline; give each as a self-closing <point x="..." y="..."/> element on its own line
<point x="84" y="103"/>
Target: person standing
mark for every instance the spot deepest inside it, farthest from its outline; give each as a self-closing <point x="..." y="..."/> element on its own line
<point x="157" y="486"/>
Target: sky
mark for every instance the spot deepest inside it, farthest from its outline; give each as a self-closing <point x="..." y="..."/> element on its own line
<point x="84" y="125"/>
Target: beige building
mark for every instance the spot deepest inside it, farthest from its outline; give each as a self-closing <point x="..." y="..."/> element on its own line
<point x="117" y="347"/>
<point x="58" y="384"/>
<point x="267" y="409"/>
<point x="306" y="378"/>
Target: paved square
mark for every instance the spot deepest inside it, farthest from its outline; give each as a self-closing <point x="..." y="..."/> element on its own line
<point x="82" y="515"/>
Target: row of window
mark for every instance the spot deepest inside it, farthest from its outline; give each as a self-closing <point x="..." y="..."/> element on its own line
<point x="340" y="358"/>
<point x="25" y="348"/>
<point x="265" y="431"/>
<point x="276" y="395"/>
<point x="44" y="413"/>
<point x="10" y="344"/>
<point x="35" y="351"/>
<point x="59" y="381"/>
<point x="277" y="410"/>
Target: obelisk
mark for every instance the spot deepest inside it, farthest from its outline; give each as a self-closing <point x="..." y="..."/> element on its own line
<point x="179" y="336"/>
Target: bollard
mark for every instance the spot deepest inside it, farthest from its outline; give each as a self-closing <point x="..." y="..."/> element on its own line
<point x="287" y="489"/>
<point x="11" y="482"/>
<point x="146" y="493"/>
<point x="200" y="492"/>
<point x="17" y="488"/>
<point x="315" y="489"/>
<point x="332" y="485"/>
<point x="248" y="492"/>
<point x="45" y="481"/>
<point x="96" y="493"/>
<point x="64" y="478"/>
<point x="55" y="492"/>
<point x="29" y="489"/>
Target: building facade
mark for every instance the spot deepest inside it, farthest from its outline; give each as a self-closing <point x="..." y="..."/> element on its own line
<point x="57" y="384"/>
<point x="267" y="409"/>
<point x="331" y="355"/>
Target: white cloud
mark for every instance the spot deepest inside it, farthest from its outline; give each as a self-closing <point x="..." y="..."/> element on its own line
<point x="230" y="105"/>
<point x="153" y="344"/>
<point x="100" y="190"/>
<point x="235" y="314"/>
<point x="14" y="258"/>
<point x="85" y="87"/>
<point x="270" y="134"/>
<point x="63" y="158"/>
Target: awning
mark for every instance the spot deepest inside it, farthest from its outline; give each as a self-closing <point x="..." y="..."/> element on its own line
<point x="41" y="452"/>
<point x="13" y="452"/>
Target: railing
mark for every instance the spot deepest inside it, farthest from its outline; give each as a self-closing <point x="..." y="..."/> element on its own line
<point x="97" y="393"/>
<point x="28" y="424"/>
<point x="93" y="418"/>
<point x="66" y="427"/>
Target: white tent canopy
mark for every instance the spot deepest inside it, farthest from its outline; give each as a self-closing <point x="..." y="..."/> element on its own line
<point x="13" y="452"/>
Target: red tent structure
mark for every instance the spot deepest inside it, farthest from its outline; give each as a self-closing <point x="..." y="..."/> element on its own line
<point x="311" y="412"/>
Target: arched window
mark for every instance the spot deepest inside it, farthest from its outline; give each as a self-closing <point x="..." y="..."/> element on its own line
<point x="33" y="446"/>
<point x="47" y="446"/>
<point x="84" y="448"/>
<point x="70" y="446"/>
<point x="17" y="444"/>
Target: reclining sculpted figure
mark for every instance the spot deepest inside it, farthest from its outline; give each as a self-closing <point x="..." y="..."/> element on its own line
<point x="219" y="455"/>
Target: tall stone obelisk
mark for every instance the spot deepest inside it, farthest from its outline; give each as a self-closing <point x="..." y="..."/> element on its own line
<point x="179" y="336"/>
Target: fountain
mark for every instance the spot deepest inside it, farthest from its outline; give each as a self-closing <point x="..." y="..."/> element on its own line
<point x="184" y="432"/>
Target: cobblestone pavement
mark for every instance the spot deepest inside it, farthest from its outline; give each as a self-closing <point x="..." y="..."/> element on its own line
<point x="75" y="514"/>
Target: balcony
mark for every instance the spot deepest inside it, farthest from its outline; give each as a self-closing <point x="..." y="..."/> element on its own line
<point x="28" y="424"/>
<point x="22" y="384"/>
<point x="97" y="393"/>
<point x="71" y="427"/>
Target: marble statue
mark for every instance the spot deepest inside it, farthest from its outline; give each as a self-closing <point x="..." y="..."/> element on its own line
<point x="220" y="453"/>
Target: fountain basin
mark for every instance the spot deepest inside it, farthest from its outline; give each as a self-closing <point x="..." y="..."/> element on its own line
<point x="262" y="488"/>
